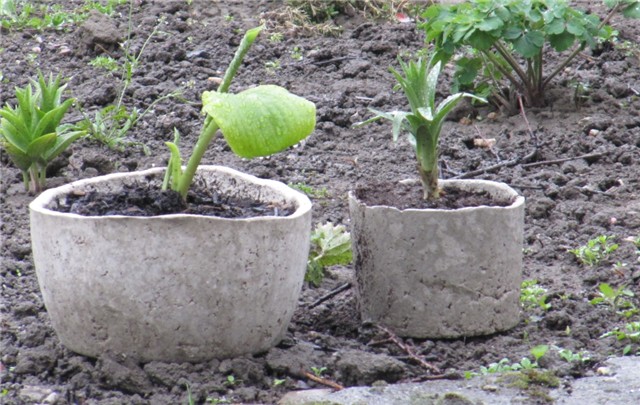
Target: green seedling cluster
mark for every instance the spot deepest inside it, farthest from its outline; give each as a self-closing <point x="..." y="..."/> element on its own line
<point x="310" y="191"/>
<point x="505" y="364"/>
<point x="26" y="14"/>
<point x="318" y="371"/>
<point x="111" y="124"/>
<point x="616" y="299"/>
<point x="32" y="133"/>
<point x="501" y="47"/>
<point x="571" y="357"/>
<point x="532" y="295"/>
<point x="595" y="250"/>
<point x="423" y="123"/>
<point x="629" y="332"/>
<point x="330" y="246"/>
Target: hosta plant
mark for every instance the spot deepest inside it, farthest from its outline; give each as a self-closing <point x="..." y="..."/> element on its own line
<point x="32" y="133"/>
<point x="255" y="122"/>
<point x="500" y="42"/>
<point x="424" y="121"/>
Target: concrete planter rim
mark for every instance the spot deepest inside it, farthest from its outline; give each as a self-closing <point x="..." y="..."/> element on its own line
<point x="39" y="203"/>
<point x="496" y="185"/>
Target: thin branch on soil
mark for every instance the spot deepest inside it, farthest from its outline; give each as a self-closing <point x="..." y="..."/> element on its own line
<point x="323" y="381"/>
<point x="409" y="351"/>
<point x="554" y="161"/>
<point x="532" y="134"/>
<point x="330" y="294"/>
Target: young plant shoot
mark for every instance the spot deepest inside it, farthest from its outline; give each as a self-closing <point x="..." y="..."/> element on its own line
<point x="424" y="121"/>
<point x="259" y="121"/>
<point x="31" y="132"/>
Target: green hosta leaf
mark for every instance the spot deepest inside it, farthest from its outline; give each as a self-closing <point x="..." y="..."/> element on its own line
<point x="530" y="44"/>
<point x="262" y="120"/>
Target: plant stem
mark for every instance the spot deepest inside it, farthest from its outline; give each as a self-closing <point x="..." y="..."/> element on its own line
<point x="206" y="135"/>
<point x="427" y="154"/>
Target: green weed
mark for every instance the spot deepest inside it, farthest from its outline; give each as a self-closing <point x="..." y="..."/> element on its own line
<point x="595" y="250"/>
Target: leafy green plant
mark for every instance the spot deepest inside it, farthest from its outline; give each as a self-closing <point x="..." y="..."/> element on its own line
<point x="111" y="124"/>
<point x="424" y="121"/>
<point x="256" y="122"/>
<point x="595" y="250"/>
<point x="32" y="133"/>
<point x="533" y="295"/>
<point x="330" y="246"/>
<point x="507" y="40"/>
<point x="630" y="331"/>
<point x="505" y="364"/>
<point x="310" y="191"/>
<point x="614" y="297"/>
<point x="571" y="357"/>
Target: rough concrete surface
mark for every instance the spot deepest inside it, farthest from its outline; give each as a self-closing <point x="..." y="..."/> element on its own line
<point x="617" y="383"/>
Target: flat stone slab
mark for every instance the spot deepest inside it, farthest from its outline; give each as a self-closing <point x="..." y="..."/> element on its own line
<point x="619" y="384"/>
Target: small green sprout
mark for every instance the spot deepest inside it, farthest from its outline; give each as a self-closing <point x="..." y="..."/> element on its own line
<point x="630" y="332"/>
<point x="296" y="53"/>
<point x="505" y="364"/>
<point x="595" y="250"/>
<point x="32" y="133"/>
<point x="272" y="66"/>
<point x="318" y="371"/>
<point x="571" y="357"/>
<point x="330" y="246"/>
<point x="276" y="37"/>
<point x="310" y="191"/>
<point x="278" y="381"/>
<point x="231" y="380"/>
<point x="614" y="297"/>
<point x="533" y="295"/>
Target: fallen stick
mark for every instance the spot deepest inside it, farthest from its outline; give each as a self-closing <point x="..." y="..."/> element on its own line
<point x="323" y="381"/>
<point x="407" y="349"/>
<point x="330" y="295"/>
<point x="554" y="161"/>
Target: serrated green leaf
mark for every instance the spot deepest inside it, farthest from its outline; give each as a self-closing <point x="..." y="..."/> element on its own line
<point x="490" y="24"/>
<point x="512" y="33"/>
<point x="562" y="42"/>
<point x="331" y="245"/>
<point x="481" y="40"/>
<point x="530" y="44"/>
<point x="262" y="120"/>
<point x="555" y="27"/>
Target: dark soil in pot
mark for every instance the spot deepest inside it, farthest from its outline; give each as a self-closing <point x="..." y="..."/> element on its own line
<point x="583" y="183"/>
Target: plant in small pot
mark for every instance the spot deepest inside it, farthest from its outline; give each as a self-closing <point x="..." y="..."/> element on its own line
<point x="182" y="286"/>
<point x="444" y="260"/>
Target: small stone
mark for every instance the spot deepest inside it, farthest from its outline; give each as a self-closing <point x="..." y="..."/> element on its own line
<point x="594" y="132"/>
<point x="35" y="394"/>
<point x="604" y="371"/>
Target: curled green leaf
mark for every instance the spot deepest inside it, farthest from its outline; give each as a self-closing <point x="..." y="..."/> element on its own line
<point x="261" y="120"/>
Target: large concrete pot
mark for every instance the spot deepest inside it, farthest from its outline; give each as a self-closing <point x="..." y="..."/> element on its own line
<point x="430" y="273"/>
<point x="175" y="287"/>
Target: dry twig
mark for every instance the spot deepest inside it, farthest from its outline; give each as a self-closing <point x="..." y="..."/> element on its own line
<point x="330" y="294"/>
<point x="409" y="351"/>
<point x="323" y="381"/>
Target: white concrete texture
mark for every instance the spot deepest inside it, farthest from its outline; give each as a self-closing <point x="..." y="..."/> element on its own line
<point x="440" y="273"/>
<point x="172" y="288"/>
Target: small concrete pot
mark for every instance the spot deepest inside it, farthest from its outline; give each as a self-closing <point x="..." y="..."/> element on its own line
<point x="430" y="273"/>
<point x="175" y="287"/>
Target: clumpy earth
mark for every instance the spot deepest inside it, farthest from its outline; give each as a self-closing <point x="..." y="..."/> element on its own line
<point x="575" y="161"/>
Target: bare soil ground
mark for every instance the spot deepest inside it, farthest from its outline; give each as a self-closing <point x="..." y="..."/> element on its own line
<point x="582" y="182"/>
